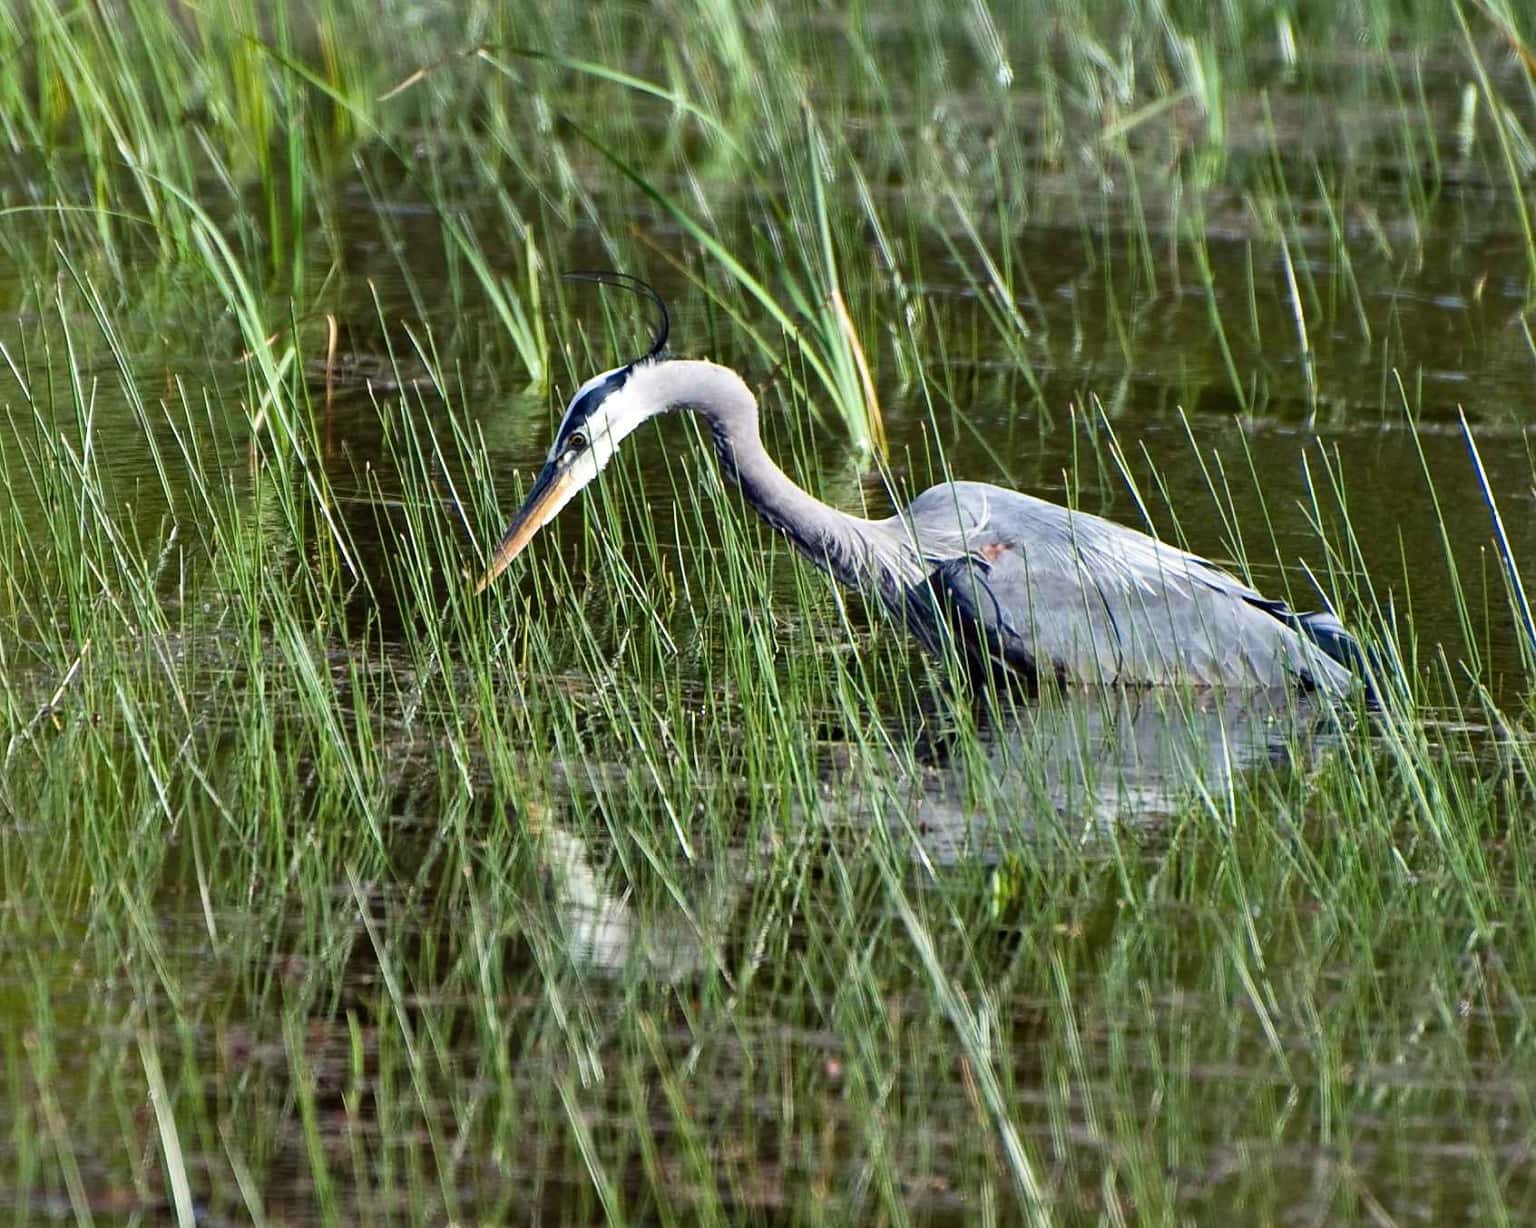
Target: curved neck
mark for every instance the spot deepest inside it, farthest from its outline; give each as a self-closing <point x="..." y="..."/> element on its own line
<point x="831" y="539"/>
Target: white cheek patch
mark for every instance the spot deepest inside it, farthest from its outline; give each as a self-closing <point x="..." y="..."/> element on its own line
<point x="605" y="428"/>
<point x="589" y="464"/>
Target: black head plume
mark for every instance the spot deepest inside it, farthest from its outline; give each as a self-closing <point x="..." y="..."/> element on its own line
<point x="626" y="281"/>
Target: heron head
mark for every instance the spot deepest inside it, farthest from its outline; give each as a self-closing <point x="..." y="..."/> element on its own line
<point x="604" y="411"/>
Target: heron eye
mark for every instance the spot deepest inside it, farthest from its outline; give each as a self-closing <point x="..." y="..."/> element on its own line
<point x="575" y="442"/>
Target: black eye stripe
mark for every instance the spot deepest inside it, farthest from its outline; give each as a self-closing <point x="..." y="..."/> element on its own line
<point x="586" y="404"/>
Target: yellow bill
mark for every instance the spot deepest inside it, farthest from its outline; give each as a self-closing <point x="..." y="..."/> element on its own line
<point x="551" y="492"/>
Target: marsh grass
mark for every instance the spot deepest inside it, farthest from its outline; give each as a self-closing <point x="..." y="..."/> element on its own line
<point x="669" y="886"/>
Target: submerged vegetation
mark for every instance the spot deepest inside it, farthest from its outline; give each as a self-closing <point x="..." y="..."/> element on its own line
<point x="662" y="886"/>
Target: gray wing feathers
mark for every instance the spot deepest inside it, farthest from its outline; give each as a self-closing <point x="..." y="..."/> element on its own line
<point x="1053" y="591"/>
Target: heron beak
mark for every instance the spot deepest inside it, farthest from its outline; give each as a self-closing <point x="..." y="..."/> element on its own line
<point x="550" y="492"/>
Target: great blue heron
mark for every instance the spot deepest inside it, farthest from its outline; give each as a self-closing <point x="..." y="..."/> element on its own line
<point x="1023" y="588"/>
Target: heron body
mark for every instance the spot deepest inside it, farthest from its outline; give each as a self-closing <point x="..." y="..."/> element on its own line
<point x="1023" y="588"/>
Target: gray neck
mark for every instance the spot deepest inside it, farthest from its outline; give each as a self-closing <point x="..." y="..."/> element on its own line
<point x="833" y="540"/>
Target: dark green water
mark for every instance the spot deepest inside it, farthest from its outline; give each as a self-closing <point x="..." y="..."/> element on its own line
<point x="1220" y="471"/>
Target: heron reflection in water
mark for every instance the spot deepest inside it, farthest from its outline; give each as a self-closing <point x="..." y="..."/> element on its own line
<point x="1077" y="767"/>
<point x="1083" y="763"/>
<point x="1024" y="588"/>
